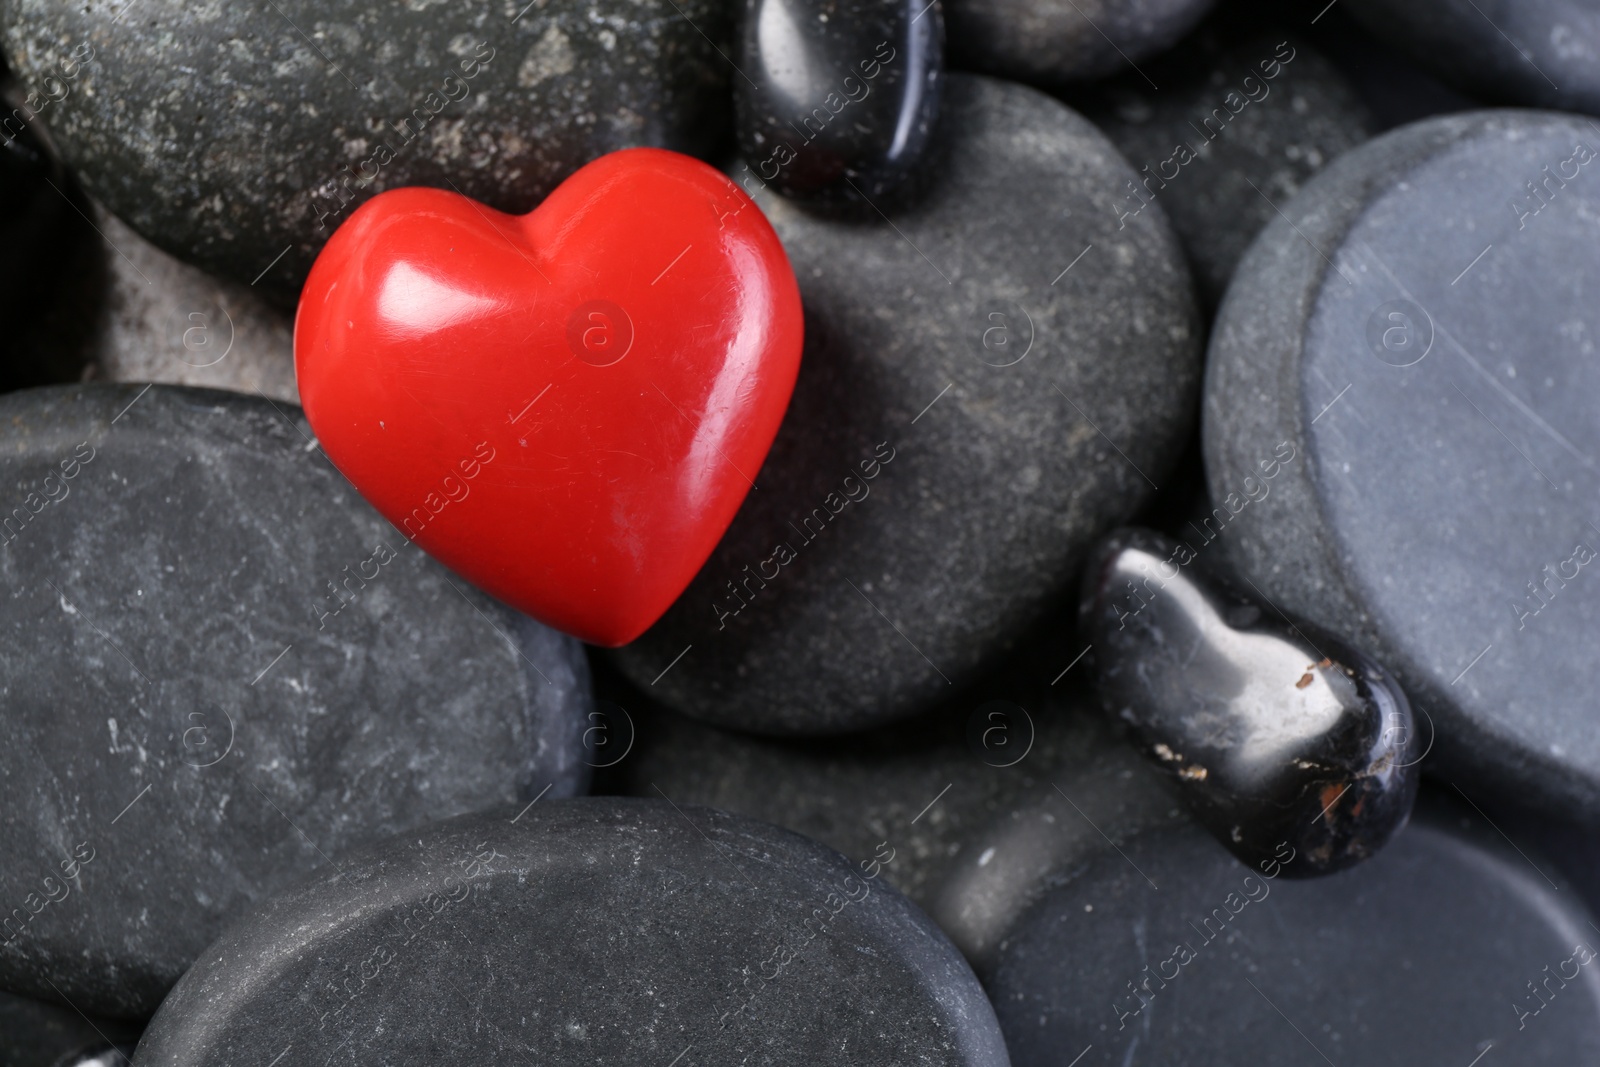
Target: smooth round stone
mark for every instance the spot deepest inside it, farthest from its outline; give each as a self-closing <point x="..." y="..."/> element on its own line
<point x="1540" y="53"/>
<point x="1049" y="43"/>
<point x="992" y="377"/>
<point x="238" y="137"/>
<point x="157" y="319"/>
<point x="36" y="1034"/>
<point x="224" y="669"/>
<point x="968" y="811"/>
<point x="1419" y="331"/>
<point x="596" y="930"/>
<point x="841" y="98"/>
<point x="1273" y="731"/>
<point x="1447" y="944"/>
<point x="1225" y="140"/>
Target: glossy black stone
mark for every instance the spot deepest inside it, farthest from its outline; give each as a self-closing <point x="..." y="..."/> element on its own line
<point x="1274" y="732"/>
<point x="602" y="930"/>
<point x="36" y="1034"/>
<point x="841" y="96"/>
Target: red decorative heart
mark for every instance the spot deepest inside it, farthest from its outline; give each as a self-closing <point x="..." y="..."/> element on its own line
<point x="565" y="407"/>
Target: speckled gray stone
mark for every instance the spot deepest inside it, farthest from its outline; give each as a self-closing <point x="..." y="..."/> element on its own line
<point x="232" y="134"/>
<point x="1048" y="42"/>
<point x="1420" y="331"/>
<point x="1542" y="53"/>
<point x="36" y="1034"/>
<point x="1219" y="146"/>
<point x="157" y="319"/>
<point x="985" y="378"/>
<point x="599" y="930"/>
<point x="193" y="716"/>
<point x="1427" y="954"/>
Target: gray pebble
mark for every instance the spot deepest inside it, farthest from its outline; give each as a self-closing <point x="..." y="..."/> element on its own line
<point x="990" y="380"/>
<point x="1048" y="42"/>
<point x="223" y="669"/>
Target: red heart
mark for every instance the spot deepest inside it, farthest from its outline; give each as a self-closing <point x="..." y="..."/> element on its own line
<point x="565" y="407"/>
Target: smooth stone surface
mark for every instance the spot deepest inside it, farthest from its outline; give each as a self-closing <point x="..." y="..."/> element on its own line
<point x="231" y="136"/>
<point x="1218" y="146"/>
<point x="595" y="930"/>
<point x="1440" y="514"/>
<point x="191" y="718"/>
<point x="1049" y="43"/>
<point x="1424" y="955"/>
<point x="45" y="244"/>
<point x="1537" y="53"/>
<point x="972" y="805"/>
<point x="939" y="475"/>
<point x="842" y="97"/>
<point x="160" y="320"/>
<point x="1274" y="732"/>
<point x="36" y="1034"/>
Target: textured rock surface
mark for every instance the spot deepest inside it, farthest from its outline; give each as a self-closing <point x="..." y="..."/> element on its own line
<point x="594" y="930"/>
<point x="984" y="381"/>
<point x="1048" y="43"/>
<point x="194" y="714"/>
<point x="841" y="98"/>
<point x="160" y="320"/>
<point x="1425" y="954"/>
<point x="1230" y="134"/>
<point x="1273" y="731"/>
<point x="1420" y="330"/>
<point x="36" y="1034"/>
<point x="1543" y="53"/>
<point x="973" y="804"/>
<point x="232" y="136"/>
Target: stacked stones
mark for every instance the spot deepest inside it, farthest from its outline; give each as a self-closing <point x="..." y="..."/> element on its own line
<point x="1186" y="476"/>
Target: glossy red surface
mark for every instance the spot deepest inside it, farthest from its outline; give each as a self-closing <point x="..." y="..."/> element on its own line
<point x="565" y="407"/>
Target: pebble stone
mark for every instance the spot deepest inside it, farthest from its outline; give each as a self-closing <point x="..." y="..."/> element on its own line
<point x="1002" y="374"/>
<point x="1447" y="944"/>
<point x="238" y="137"/>
<point x="1048" y="43"/>
<point x="1419" y="332"/>
<point x="160" y="320"/>
<point x="601" y="929"/>
<point x="223" y="670"/>
<point x="1274" y="731"/>
<point x="36" y="1034"/>
<point x="1535" y="53"/>
<point x="847" y="97"/>
<point x="1225" y="140"/>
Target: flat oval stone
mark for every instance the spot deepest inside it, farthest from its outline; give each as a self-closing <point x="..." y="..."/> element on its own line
<point x="223" y="670"/>
<point x="1418" y="332"/>
<point x="1536" y="53"/>
<point x="602" y="929"/>
<point x="1004" y="375"/>
<point x="1273" y="731"/>
<point x="1446" y="945"/>
<point x="1236" y="127"/>
<point x="841" y="99"/>
<point x="36" y="1034"/>
<point x="238" y="138"/>
<point x="1049" y="43"/>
